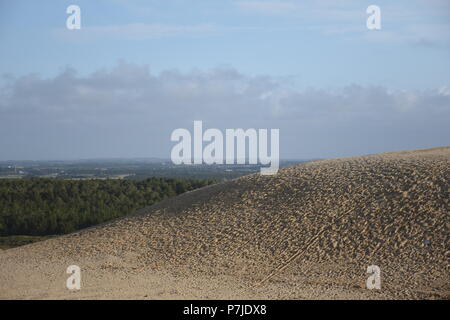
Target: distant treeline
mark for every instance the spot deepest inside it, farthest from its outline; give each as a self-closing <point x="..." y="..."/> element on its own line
<point x="48" y="206"/>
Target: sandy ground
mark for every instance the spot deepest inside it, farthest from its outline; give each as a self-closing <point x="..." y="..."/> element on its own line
<point x="309" y="232"/>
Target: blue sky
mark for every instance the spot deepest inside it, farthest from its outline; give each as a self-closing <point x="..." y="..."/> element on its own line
<point x="297" y="54"/>
<point x="291" y="39"/>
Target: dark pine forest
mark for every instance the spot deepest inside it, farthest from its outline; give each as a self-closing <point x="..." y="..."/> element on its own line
<point x="39" y="206"/>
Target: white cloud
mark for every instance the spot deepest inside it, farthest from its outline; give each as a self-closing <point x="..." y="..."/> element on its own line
<point x="135" y="31"/>
<point x="128" y="106"/>
<point x="268" y="7"/>
<point x="417" y="22"/>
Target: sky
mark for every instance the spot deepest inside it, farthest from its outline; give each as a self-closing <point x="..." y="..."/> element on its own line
<point x="137" y="70"/>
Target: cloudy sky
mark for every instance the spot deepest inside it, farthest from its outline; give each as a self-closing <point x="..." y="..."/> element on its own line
<point x="137" y="70"/>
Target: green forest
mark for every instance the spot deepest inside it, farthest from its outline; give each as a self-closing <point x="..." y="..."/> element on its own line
<point x="39" y="207"/>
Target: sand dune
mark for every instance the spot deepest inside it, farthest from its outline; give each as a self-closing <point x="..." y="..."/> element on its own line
<point x="308" y="232"/>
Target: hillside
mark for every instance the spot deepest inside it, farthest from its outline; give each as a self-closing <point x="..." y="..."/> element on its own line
<point x="308" y="232"/>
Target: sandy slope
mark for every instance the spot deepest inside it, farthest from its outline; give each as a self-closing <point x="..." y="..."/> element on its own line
<point x="308" y="232"/>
